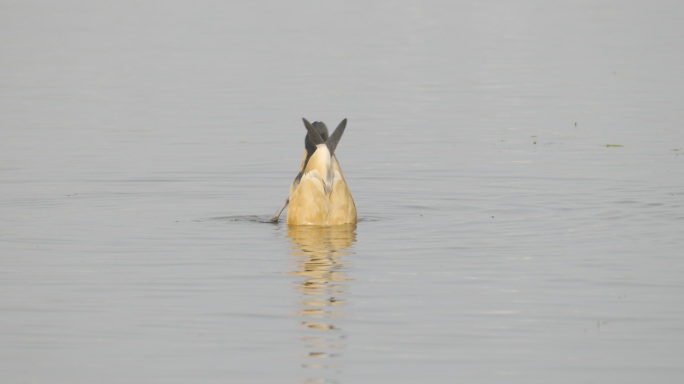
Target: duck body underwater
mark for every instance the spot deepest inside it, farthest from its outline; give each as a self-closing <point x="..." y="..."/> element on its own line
<point x="319" y="195"/>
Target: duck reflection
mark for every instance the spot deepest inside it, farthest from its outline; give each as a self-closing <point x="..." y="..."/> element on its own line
<point x="319" y="254"/>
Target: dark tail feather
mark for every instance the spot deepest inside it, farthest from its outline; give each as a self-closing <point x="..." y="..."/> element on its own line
<point x="334" y="139"/>
<point x="313" y="133"/>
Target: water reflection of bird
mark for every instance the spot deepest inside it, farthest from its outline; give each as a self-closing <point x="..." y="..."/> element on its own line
<point x="319" y="195"/>
<point x="319" y="252"/>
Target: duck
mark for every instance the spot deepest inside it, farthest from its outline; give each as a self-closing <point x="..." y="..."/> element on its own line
<point x="319" y="194"/>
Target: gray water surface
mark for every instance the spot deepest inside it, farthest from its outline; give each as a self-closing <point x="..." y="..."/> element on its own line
<point x="518" y="168"/>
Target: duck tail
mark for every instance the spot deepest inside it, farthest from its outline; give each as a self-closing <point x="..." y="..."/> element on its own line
<point x="334" y="139"/>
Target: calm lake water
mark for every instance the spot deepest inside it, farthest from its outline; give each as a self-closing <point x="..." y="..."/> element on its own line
<point x="518" y="168"/>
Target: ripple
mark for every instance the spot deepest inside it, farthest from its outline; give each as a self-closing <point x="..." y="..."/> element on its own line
<point x="267" y="219"/>
<point x="243" y="218"/>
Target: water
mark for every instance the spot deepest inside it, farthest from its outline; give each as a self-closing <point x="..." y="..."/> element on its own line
<point x="518" y="171"/>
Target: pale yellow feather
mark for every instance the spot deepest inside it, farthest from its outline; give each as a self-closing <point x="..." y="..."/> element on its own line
<point x="322" y="196"/>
